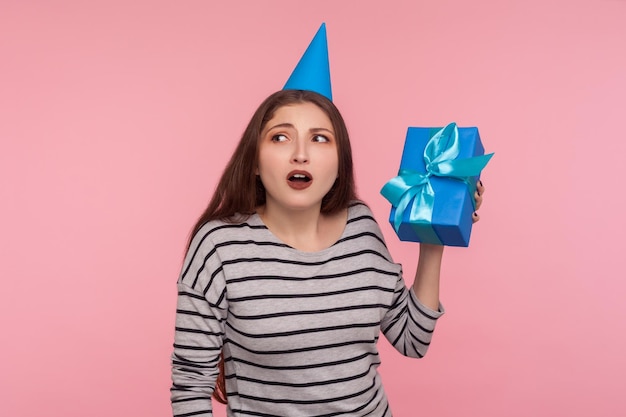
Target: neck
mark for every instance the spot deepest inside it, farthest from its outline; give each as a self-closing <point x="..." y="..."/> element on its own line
<point x="305" y="222"/>
<point x="307" y="230"/>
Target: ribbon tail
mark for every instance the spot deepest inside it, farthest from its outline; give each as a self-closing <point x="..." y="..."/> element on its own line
<point x="401" y="207"/>
<point x="400" y="190"/>
<point x="422" y="215"/>
<point x="468" y="167"/>
<point x="394" y="189"/>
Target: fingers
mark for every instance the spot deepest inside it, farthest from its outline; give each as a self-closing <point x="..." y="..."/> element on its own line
<point x="478" y="194"/>
<point x="478" y="197"/>
<point x="480" y="187"/>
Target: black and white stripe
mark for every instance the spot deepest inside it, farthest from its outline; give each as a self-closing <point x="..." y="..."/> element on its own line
<point x="298" y="330"/>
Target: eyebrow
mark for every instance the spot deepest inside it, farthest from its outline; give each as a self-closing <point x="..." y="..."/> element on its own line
<point x="321" y="129"/>
<point x="313" y="130"/>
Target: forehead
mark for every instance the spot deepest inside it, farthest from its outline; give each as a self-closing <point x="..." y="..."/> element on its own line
<point x="305" y="114"/>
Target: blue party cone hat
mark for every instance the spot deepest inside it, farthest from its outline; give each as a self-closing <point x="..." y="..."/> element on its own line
<point x="313" y="71"/>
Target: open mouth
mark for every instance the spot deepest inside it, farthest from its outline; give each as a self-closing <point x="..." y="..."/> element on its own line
<point x="300" y="178"/>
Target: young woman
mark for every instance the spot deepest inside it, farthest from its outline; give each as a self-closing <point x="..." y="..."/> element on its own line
<point x="287" y="283"/>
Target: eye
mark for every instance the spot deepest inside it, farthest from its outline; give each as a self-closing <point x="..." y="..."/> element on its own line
<point x="279" y="138"/>
<point x="320" y="138"/>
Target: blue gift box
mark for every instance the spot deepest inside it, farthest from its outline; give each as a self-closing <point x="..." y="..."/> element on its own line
<point x="452" y="196"/>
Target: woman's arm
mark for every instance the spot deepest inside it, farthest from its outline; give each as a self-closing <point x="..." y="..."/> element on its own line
<point x="426" y="284"/>
<point x="200" y="317"/>
<point x="197" y="346"/>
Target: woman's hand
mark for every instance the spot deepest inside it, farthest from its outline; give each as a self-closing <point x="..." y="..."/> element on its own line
<point x="478" y="197"/>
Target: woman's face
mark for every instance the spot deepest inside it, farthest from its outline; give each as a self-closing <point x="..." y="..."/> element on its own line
<point x="298" y="160"/>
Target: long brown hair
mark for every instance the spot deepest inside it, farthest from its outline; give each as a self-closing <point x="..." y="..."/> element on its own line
<point x="240" y="191"/>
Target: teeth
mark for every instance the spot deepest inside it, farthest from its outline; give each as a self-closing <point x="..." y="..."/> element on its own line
<point x="299" y="176"/>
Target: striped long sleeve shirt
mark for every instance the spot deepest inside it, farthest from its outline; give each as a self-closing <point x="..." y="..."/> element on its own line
<point x="298" y="330"/>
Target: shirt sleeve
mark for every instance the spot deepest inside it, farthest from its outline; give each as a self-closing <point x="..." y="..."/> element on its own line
<point x="200" y="316"/>
<point x="408" y="324"/>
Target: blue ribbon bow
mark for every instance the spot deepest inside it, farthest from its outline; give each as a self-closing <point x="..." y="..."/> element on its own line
<point x="440" y="159"/>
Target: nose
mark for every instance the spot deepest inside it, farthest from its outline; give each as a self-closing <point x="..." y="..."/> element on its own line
<point x="300" y="152"/>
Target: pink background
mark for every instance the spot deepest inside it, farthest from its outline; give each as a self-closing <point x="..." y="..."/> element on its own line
<point x="116" y="117"/>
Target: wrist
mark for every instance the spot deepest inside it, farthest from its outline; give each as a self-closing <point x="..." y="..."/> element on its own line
<point x="429" y="248"/>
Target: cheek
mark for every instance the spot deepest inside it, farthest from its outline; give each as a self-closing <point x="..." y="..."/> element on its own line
<point x="335" y="163"/>
<point x="266" y="165"/>
<point x="330" y="171"/>
<point x="263" y="160"/>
